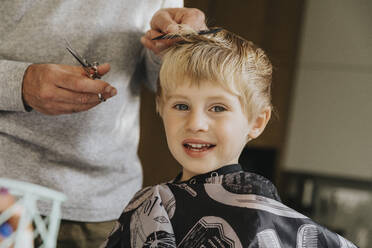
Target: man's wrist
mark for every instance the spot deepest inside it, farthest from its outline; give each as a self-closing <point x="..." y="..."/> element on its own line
<point x="27" y="107"/>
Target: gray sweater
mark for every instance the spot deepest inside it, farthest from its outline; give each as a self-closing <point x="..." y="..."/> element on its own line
<point x="90" y="156"/>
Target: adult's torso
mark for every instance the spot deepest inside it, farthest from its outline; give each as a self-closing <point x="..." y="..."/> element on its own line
<point x="90" y="156"/>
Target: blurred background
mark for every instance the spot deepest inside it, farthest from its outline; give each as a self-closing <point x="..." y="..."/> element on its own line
<point x="318" y="148"/>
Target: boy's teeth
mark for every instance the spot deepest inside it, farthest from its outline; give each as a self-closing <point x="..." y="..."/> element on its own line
<point x="198" y="145"/>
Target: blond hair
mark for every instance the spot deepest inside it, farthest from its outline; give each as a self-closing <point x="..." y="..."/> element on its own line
<point x="225" y="59"/>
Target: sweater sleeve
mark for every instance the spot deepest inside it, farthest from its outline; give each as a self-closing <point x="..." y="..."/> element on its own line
<point x="11" y="77"/>
<point x="152" y="64"/>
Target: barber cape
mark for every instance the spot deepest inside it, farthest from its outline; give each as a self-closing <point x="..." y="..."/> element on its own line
<point x="224" y="208"/>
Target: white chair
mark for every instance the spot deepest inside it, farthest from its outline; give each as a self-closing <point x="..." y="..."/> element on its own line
<point x="27" y="195"/>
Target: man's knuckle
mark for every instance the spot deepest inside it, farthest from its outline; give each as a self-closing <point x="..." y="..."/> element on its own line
<point x="77" y="85"/>
<point x="48" y="106"/>
<point x="197" y="13"/>
<point x="83" y="99"/>
<point x="45" y="95"/>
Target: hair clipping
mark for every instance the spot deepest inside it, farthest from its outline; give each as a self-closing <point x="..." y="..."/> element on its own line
<point x="202" y="32"/>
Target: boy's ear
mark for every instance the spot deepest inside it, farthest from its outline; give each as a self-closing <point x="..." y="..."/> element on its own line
<point x="260" y="123"/>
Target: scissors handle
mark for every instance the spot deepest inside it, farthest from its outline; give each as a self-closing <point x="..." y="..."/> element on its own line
<point x="88" y="67"/>
<point x="95" y="73"/>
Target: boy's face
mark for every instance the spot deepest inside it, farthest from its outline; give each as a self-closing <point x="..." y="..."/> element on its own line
<point x="206" y="127"/>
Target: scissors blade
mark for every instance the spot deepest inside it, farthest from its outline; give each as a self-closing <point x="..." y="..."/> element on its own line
<point x="202" y="32"/>
<point x="76" y="55"/>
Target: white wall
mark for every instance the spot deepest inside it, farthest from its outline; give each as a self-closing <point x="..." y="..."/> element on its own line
<point x="330" y="129"/>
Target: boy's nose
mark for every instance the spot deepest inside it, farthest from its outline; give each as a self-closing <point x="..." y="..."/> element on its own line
<point x="197" y="122"/>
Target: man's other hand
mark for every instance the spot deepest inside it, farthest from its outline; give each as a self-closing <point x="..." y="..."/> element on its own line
<point x="166" y="21"/>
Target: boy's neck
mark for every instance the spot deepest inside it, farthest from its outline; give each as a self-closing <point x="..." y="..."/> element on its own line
<point x="186" y="175"/>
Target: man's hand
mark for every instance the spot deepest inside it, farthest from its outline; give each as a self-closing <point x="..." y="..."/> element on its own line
<point x="166" y="21"/>
<point x="62" y="89"/>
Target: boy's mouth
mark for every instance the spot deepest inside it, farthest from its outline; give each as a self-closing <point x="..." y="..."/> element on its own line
<point x="198" y="147"/>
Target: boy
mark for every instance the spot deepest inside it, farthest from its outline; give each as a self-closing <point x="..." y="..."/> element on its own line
<point x="214" y="97"/>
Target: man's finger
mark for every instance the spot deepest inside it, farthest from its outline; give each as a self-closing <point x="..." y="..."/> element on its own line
<point x="151" y="34"/>
<point x="162" y="20"/>
<point x="86" y="85"/>
<point x="192" y="17"/>
<point x="103" y="69"/>
<point x="149" y="44"/>
<point x="68" y="96"/>
<point x="156" y="45"/>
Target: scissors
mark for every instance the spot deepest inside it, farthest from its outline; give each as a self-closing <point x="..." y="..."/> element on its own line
<point x="88" y="67"/>
<point x="202" y="32"/>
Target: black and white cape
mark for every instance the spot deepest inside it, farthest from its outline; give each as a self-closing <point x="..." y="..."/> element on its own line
<point x="224" y="208"/>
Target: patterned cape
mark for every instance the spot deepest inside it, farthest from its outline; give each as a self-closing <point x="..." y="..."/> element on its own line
<point x="224" y="208"/>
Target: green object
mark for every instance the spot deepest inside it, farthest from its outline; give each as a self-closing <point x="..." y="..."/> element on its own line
<point x="28" y="195"/>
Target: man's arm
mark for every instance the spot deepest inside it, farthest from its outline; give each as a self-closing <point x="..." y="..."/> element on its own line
<point x="50" y="89"/>
<point x="11" y="76"/>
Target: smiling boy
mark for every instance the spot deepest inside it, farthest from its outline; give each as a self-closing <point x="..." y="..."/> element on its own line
<point x="206" y="127"/>
<point x="214" y="97"/>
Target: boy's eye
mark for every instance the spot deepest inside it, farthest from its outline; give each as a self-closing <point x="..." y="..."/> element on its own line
<point x="182" y="107"/>
<point x="218" y="109"/>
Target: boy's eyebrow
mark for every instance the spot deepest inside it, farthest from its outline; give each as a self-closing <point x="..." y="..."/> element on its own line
<point x="177" y="96"/>
<point x="216" y="97"/>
